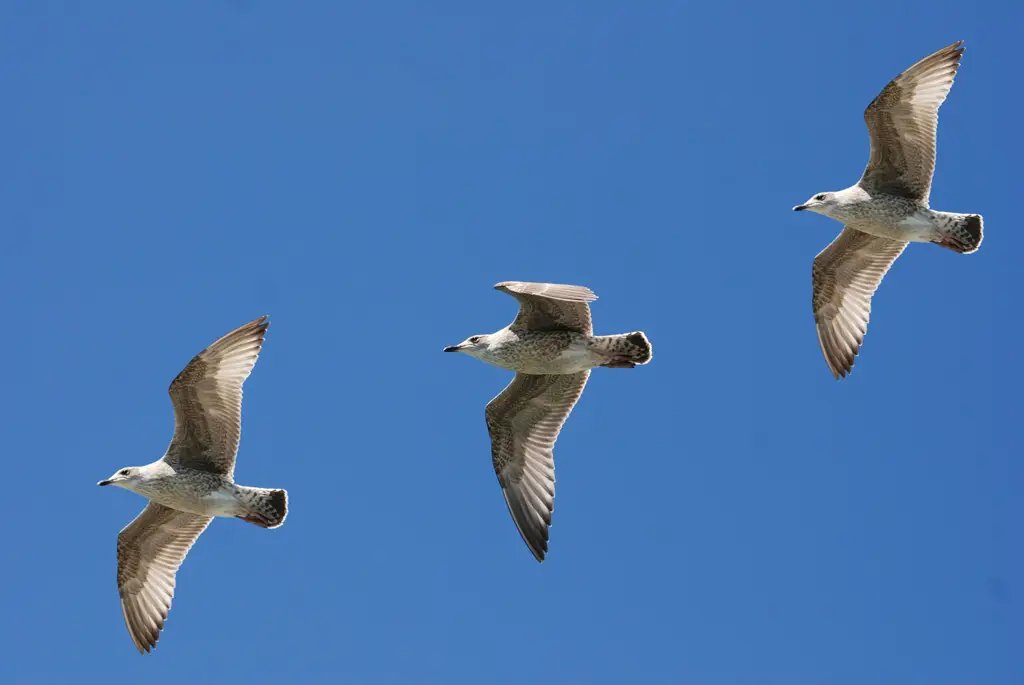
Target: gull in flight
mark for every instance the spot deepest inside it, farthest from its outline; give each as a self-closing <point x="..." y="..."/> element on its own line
<point x="887" y="208"/>
<point x="192" y="483"/>
<point x="552" y="348"/>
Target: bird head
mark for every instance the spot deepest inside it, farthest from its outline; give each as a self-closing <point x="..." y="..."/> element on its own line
<point x="822" y="203"/>
<point x="471" y="346"/>
<point x="125" y="478"/>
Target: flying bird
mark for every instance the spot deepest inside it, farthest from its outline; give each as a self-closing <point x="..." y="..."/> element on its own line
<point x="887" y="208"/>
<point x="191" y="483"/>
<point x="552" y="348"/>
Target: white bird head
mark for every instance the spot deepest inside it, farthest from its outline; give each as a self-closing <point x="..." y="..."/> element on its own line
<point x="472" y="346"/>
<point x="822" y="203"/>
<point x="125" y="478"/>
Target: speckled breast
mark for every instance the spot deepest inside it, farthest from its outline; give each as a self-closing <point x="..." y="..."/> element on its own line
<point x="548" y="352"/>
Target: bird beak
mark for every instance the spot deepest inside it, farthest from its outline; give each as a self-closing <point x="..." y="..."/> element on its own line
<point x="105" y="482"/>
<point x="453" y="348"/>
<point x="799" y="208"/>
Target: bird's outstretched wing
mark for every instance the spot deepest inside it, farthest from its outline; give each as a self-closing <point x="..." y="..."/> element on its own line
<point x="902" y="123"/>
<point x="149" y="551"/>
<point x="550" y="306"/>
<point x="845" y="276"/>
<point x="207" y="399"/>
<point x="524" y="421"/>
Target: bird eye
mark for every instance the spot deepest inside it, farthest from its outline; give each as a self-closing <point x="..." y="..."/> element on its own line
<point x="475" y="339"/>
<point x="820" y="196"/>
<point x="125" y="472"/>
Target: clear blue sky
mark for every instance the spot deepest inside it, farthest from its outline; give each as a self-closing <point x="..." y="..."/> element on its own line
<point x="727" y="514"/>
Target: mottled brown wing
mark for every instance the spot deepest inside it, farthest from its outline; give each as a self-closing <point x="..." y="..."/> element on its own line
<point x="551" y="306"/>
<point x="207" y="399"/>
<point x="845" y="276"/>
<point x="149" y="551"/>
<point x="902" y="123"/>
<point x="524" y="422"/>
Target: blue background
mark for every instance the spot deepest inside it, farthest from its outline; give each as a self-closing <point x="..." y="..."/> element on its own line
<point x="364" y="173"/>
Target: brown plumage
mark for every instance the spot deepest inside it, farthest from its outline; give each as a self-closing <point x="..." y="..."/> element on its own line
<point x="902" y="123"/>
<point x="524" y="421"/>
<point x="845" y="276"/>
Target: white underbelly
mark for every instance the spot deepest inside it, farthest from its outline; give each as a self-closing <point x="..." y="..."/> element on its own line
<point x="573" y="359"/>
<point x="917" y="228"/>
<point x="221" y="503"/>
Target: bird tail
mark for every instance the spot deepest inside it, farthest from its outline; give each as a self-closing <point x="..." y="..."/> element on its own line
<point x="627" y="350"/>
<point x="266" y="508"/>
<point x="960" y="232"/>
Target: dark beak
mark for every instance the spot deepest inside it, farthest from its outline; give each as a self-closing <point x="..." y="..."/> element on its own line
<point x="105" y="482"/>
<point x="799" y="208"/>
<point x="452" y="348"/>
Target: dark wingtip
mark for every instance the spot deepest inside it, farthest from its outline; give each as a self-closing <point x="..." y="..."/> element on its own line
<point x="643" y="345"/>
<point x="279" y="501"/>
<point x="536" y="537"/>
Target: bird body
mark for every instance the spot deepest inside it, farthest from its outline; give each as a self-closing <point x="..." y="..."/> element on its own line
<point x="892" y="217"/>
<point x="199" y="492"/>
<point x="558" y="352"/>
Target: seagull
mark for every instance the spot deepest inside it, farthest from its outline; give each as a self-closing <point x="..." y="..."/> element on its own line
<point x="191" y="483"/>
<point x="552" y="348"/>
<point x="887" y="208"/>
